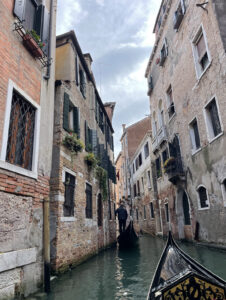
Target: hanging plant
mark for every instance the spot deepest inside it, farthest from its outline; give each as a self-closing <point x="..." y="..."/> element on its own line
<point x="90" y="160"/>
<point x="72" y="142"/>
<point x="101" y="176"/>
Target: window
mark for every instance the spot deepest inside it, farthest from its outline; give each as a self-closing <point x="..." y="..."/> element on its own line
<point x="99" y="211"/>
<point x="20" y="144"/>
<point x="171" y="108"/>
<point x="69" y="195"/>
<point x="82" y="77"/>
<point x="150" y="84"/>
<point x="144" y="212"/>
<point x="146" y="150"/>
<point x="163" y="53"/>
<point x="88" y="138"/>
<point x="223" y="188"/>
<point x="34" y="17"/>
<point x="133" y="168"/>
<point x="137" y="214"/>
<point x="70" y="116"/>
<point x="152" y="210"/>
<point x="140" y="159"/>
<point x="179" y="14"/>
<point x="142" y="181"/>
<point x="203" y="198"/>
<point x="138" y="188"/>
<point x="212" y="119"/>
<point x="135" y="190"/>
<point x="186" y="209"/>
<point x="167" y="212"/>
<point x="165" y="155"/>
<point x="89" y="212"/>
<point x="194" y="135"/>
<point x="200" y="52"/>
<point x="149" y="178"/>
<point x="158" y="167"/>
<point x="137" y="163"/>
<point x="101" y="119"/>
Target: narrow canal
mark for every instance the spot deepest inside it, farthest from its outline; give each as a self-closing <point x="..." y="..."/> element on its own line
<point x="126" y="275"/>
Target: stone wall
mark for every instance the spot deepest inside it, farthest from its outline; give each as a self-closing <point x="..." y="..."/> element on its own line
<point x="190" y="95"/>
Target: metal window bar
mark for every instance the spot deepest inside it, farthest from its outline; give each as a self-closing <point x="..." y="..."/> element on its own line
<point x="21" y="132"/>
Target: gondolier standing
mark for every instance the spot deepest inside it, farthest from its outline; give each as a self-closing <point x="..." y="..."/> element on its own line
<point x="122" y="217"/>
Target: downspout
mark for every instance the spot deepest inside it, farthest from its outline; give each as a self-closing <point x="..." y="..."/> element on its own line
<point x="47" y="76"/>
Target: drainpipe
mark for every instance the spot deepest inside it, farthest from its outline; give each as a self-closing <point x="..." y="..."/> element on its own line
<point x="47" y="76"/>
<point x="46" y="245"/>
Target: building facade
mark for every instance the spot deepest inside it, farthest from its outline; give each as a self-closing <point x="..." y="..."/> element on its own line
<point x="186" y="88"/>
<point x="82" y="193"/>
<point x="27" y="45"/>
<point x="141" y="187"/>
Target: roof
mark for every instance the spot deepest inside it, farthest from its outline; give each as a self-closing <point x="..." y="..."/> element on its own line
<point x="71" y="35"/>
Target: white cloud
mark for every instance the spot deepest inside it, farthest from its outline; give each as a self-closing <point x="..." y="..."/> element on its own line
<point x="100" y="2"/>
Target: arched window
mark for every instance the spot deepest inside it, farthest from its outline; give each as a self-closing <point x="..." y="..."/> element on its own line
<point x="187" y="220"/>
<point x="223" y="188"/>
<point x="203" y="197"/>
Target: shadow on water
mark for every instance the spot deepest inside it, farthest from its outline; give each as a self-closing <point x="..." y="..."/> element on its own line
<point x="125" y="274"/>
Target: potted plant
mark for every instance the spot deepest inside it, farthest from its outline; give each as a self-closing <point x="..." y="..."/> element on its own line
<point x="72" y="142"/>
<point x="33" y="43"/>
<point x="90" y="160"/>
<point x="169" y="163"/>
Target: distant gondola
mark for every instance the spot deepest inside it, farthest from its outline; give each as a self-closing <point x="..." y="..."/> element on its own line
<point x="128" y="238"/>
<point x="178" y="276"/>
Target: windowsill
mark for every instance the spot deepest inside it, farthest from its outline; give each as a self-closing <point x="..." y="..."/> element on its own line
<point x="17" y="169"/>
<point x="216" y="137"/>
<point x="203" y="208"/>
<point x="67" y="219"/>
<point x="196" y="151"/>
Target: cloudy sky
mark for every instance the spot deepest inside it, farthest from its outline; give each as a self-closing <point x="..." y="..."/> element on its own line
<point x="118" y="35"/>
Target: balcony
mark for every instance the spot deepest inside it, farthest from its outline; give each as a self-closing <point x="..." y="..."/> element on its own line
<point x="174" y="169"/>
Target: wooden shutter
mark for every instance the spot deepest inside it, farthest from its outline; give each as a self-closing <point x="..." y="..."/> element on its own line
<point x="45" y="31"/>
<point x="76" y="121"/>
<point x="94" y="142"/>
<point x="66" y="112"/>
<point x="19" y="9"/>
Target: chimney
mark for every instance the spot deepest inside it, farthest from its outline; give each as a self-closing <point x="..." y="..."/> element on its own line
<point x="123" y="127"/>
<point x="109" y="107"/>
<point x="88" y="60"/>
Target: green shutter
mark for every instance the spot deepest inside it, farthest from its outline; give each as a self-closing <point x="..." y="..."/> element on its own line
<point x="76" y="120"/>
<point x="19" y="9"/>
<point x="66" y="112"/>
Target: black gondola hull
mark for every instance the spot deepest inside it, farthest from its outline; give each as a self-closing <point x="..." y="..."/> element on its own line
<point x="128" y="238"/>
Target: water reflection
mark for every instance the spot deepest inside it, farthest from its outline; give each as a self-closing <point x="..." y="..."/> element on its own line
<point x="125" y="275"/>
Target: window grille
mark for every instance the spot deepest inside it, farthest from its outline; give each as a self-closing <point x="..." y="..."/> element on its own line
<point x="21" y="132"/>
<point x="89" y="213"/>
<point x="69" y="195"/>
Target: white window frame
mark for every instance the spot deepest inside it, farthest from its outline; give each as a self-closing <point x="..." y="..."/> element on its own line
<point x="207" y="201"/>
<point x="209" y="127"/>
<point x="194" y="150"/>
<point x="3" y="163"/>
<point x="169" y="103"/>
<point x="64" y="171"/>
<point x="199" y="72"/>
<point x="223" y="190"/>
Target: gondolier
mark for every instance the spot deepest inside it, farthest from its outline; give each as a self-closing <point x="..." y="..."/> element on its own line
<point x="122" y="217"/>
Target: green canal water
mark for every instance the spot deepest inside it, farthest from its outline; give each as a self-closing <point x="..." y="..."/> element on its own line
<point x="115" y="274"/>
